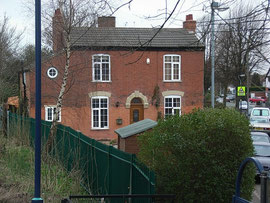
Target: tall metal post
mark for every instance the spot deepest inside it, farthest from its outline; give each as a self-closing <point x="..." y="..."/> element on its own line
<point x="248" y="78"/>
<point x="213" y="5"/>
<point x="248" y="82"/>
<point x="37" y="197"/>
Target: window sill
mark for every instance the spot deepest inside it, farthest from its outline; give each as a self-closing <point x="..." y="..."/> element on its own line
<point x="99" y="129"/>
<point x="52" y="121"/>
<point x="102" y="81"/>
<point x="170" y="81"/>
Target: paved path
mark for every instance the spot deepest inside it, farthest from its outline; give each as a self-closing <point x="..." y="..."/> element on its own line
<point x="256" y="194"/>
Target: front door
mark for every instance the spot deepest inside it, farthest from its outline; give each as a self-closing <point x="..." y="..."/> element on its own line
<point x="136" y="110"/>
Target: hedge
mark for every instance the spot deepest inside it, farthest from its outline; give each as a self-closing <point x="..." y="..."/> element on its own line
<point x="197" y="156"/>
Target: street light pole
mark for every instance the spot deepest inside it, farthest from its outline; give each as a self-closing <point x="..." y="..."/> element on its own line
<point x="37" y="198"/>
<point x="247" y="73"/>
<point x="213" y="6"/>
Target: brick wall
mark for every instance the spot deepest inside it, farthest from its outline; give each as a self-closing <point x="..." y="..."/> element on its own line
<point x="128" y="74"/>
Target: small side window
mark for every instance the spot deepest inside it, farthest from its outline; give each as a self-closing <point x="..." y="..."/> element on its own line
<point x="49" y="113"/>
<point x="52" y="72"/>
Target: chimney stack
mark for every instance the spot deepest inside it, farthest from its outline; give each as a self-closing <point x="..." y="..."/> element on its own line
<point x="106" y="21"/>
<point x="189" y="24"/>
<point x="58" y="31"/>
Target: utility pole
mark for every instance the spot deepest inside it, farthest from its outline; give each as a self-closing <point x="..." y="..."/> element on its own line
<point x="214" y="5"/>
<point x="248" y="78"/>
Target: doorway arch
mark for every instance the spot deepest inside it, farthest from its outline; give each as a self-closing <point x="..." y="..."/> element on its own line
<point x="137" y="94"/>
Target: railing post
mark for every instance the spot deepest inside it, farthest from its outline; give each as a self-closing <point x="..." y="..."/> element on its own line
<point x="131" y="177"/>
<point x="109" y="170"/>
<point x="263" y="178"/>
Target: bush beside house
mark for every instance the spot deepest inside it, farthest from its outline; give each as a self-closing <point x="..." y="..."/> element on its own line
<point x="197" y="156"/>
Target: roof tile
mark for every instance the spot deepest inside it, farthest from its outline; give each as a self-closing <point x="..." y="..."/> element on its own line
<point x="133" y="37"/>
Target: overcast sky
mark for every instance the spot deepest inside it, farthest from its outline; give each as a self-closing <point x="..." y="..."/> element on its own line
<point x="133" y="16"/>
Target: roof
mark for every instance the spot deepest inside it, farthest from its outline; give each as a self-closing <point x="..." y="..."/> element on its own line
<point x="136" y="128"/>
<point x="134" y="37"/>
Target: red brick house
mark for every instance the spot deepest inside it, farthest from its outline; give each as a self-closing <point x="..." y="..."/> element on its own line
<point x="122" y="75"/>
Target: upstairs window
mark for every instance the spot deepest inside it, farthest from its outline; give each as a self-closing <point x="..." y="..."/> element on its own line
<point x="49" y="113"/>
<point x="100" y="115"/>
<point x="172" y="68"/>
<point x="172" y="106"/>
<point x="101" y="68"/>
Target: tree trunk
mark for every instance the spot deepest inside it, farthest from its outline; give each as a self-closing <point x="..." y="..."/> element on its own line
<point x="53" y="128"/>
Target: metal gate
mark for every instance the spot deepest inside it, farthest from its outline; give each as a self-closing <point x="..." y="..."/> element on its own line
<point x="264" y="178"/>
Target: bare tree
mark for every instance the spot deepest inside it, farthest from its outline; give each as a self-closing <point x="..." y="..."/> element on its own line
<point x="224" y="68"/>
<point x="67" y="15"/>
<point x="9" y="41"/>
<point x="240" y="42"/>
<point x="203" y="33"/>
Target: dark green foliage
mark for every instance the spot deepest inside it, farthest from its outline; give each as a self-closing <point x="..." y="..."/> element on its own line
<point x="257" y="89"/>
<point x="197" y="155"/>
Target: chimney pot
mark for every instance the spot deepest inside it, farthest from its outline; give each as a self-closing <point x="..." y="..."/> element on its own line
<point x="189" y="24"/>
<point x="189" y="17"/>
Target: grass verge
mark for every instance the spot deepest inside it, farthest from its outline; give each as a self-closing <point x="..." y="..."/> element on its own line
<point x="17" y="174"/>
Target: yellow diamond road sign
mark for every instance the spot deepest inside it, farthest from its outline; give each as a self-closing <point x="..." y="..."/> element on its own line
<point x="241" y="91"/>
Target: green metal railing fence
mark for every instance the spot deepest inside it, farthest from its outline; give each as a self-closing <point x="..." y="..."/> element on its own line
<point x="105" y="169"/>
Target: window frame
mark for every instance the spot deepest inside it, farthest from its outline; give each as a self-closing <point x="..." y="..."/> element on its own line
<point x="100" y="63"/>
<point x="99" y="113"/>
<point x="173" y="108"/>
<point x="172" y="63"/>
<point x="48" y="72"/>
<point x="46" y="113"/>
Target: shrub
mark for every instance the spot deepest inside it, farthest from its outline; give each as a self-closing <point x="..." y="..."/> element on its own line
<point x="197" y="156"/>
